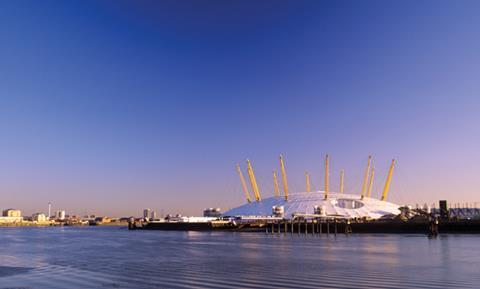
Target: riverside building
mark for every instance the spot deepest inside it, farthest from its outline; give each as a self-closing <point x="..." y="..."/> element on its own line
<point x="11" y="216"/>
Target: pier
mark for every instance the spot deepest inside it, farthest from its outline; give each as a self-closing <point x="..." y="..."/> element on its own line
<point x="305" y="225"/>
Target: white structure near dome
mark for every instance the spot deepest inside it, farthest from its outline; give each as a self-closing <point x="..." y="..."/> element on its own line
<point x="337" y="205"/>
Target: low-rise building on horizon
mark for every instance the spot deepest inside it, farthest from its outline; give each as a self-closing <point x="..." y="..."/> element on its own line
<point x="146" y="214"/>
<point x="39" y="218"/>
<point x="11" y="216"/>
<point x="12" y="213"/>
<point x="60" y="215"/>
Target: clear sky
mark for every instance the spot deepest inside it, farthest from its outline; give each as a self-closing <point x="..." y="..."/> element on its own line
<point x="108" y="107"/>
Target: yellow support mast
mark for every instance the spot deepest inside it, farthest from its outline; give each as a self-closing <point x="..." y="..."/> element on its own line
<point x="370" y="184"/>
<point x="307" y="182"/>
<point x="275" y="185"/>
<point x="253" y="182"/>
<point x="244" y="184"/>
<point x="342" y="180"/>
<point x="284" y="178"/>
<point x="387" y="183"/>
<point x="327" y="176"/>
<point x="365" y="179"/>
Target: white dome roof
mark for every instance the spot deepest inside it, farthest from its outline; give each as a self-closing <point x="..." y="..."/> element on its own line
<point x="347" y="205"/>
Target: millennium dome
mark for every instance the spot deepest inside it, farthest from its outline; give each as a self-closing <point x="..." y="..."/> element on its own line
<point x="324" y="203"/>
<point x="339" y="205"/>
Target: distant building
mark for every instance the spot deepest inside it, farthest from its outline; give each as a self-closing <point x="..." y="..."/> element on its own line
<point x="12" y="213"/>
<point x="11" y="216"/>
<point x="146" y="213"/>
<point x="153" y="215"/>
<point x="212" y="212"/>
<point x="60" y="215"/>
<point x="39" y="217"/>
<point x="103" y="220"/>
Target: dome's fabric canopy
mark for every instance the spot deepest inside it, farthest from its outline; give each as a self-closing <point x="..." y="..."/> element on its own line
<point x="346" y="205"/>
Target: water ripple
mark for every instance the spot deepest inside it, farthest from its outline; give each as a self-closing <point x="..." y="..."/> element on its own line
<point x="74" y="258"/>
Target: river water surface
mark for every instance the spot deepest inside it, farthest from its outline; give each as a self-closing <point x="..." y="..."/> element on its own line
<point x="96" y="257"/>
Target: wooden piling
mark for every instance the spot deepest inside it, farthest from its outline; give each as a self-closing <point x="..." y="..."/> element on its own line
<point x="433" y="227"/>
<point x="131" y="224"/>
<point x="348" y="228"/>
<point x="335" y="226"/>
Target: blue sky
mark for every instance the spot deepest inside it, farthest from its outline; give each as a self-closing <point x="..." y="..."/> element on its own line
<point x="108" y="107"/>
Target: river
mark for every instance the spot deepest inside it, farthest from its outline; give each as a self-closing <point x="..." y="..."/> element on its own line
<point x="110" y="257"/>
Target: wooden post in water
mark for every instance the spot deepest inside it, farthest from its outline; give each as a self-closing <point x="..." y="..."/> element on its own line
<point x="131" y="223"/>
<point x="328" y="227"/>
<point x="266" y="228"/>
<point x="291" y="227"/>
<point x="273" y="228"/>
<point x="313" y="228"/>
<point x="335" y="226"/>
<point x="306" y="227"/>
<point x="299" y="224"/>
<point x="278" y="225"/>
<point x="320" y="224"/>
<point x="433" y="227"/>
<point x="348" y="228"/>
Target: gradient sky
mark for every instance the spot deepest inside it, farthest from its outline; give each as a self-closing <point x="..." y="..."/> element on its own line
<point x="108" y="107"/>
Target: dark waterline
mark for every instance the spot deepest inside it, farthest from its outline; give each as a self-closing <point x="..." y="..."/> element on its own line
<point x="118" y="258"/>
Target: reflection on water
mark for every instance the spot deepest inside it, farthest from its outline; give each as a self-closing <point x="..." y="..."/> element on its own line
<point x="8" y="271"/>
<point x="118" y="258"/>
